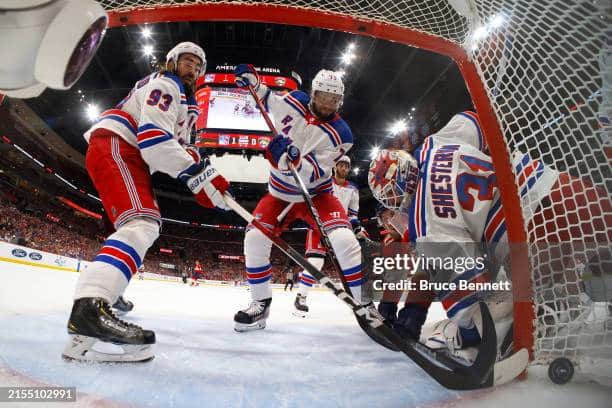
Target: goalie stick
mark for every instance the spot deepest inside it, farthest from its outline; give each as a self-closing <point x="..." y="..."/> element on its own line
<point x="497" y="373"/>
<point x="447" y="371"/>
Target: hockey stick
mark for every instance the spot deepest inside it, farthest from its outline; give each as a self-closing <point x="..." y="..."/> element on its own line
<point x="484" y="363"/>
<point x="374" y="335"/>
<point x="384" y="335"/>
<point x="305" y="195"/>
<point x="447" y="371"/>
<point x="319" y="225"/>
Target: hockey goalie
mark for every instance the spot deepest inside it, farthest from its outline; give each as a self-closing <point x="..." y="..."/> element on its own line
<point x="445" y="194"/>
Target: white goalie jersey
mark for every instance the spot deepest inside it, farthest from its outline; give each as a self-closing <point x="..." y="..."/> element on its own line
<point x="157" y="118"/>
<point x="476" y="197"/>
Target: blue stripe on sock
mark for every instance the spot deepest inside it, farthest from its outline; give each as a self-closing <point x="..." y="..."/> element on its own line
<point x="125" y="248"/>
<point x="116" y="263"/>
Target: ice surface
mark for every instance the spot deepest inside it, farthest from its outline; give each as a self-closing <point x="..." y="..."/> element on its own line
<point x="321" y="361"/>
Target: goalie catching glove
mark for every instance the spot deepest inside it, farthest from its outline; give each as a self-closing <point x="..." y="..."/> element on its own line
<point x="205" y="182"/>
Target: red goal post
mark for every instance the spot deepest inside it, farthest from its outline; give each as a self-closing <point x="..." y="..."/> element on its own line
<point x="501" y="65"/>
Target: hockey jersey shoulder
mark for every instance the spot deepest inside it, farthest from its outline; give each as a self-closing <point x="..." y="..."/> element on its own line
<point x="170" y="78"/>
<point x="299" y="101"/>
<point x="302" y="97"/>
<point x="463" y="128"/>
<point x="338" y="131"/>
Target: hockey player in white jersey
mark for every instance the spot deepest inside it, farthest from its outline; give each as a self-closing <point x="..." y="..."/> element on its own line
<point x="348" y="194"/>
<point x="143" y="134"/>
<point x="313" y="137"/>
<point x="449" y="190"/>
<point x="455" y="200"/>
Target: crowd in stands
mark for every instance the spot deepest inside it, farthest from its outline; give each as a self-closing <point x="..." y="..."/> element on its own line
<point x="59" y="230"/>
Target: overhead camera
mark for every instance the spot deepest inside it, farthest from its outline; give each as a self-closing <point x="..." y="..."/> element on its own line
<point x="47" y="43"/>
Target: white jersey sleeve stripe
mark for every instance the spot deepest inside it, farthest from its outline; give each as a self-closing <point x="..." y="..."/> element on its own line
<point x="150" y="135"/>
<point x="295" y="104"/>
<point x="421" y="209"/>
<point x="334" y="137"/>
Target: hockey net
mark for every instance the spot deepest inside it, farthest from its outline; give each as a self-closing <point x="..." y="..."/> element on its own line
<point x="540" y="76"/>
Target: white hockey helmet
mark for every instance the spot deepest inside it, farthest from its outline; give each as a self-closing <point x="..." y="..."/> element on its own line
<point x="330" y="82"/>
<point x="187" y="48"/>
<point x="393" y="178"/>
<point x="344" y="159"/>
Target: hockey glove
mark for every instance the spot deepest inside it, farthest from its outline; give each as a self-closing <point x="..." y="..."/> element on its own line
<point x="206" y="184"/>
<point x="360" y="231"/>
<point x="246" y="75"/>
<point x="410" y="321"/>
<point x="280" y="150"/>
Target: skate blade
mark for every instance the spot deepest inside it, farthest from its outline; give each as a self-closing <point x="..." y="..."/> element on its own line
<point x="83" y="348"/>
<point x="300" y="313"/>
<point x="243" y="327"/>
<point x="120" y="312"/>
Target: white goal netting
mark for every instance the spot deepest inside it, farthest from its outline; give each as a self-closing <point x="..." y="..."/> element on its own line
<point x="546" y="68"/>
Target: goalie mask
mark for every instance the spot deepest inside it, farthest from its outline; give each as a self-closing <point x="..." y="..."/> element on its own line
<point x="393" y="177"/>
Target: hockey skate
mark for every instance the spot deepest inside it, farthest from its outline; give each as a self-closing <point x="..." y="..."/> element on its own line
<point x="301" y="308"/>
<point x="122" y="306"/>
<point x="96" y="334"/>
<point x="254" y="317"/>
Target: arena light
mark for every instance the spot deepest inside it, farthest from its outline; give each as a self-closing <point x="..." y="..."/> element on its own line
<point x="92" y="112"/>
<point x="146" y="32"/>
<point x="94" y="197"/>
<point x="413" y="109"/>
<point x="147" y="50"/>
<point x="497" y="21"/>
<point x="398" y="126"/>
<point x="356" y="170"/>
<point x="351" y="46"/>
<point x="480" y="33"/>
<point x="341" y="73"/>
<point x="347" y="57"/>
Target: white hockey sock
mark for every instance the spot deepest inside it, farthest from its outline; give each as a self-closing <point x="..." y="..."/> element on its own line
<point x="257" y="249"/>
<point x="307" y="280"/>
<point x="348" y="252"/>
<point x="119" y="259"/>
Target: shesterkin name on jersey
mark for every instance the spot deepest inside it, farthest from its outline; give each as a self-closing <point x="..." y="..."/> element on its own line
<point x="438" y="176"/>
